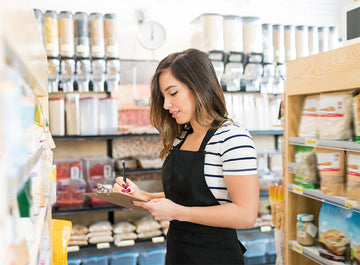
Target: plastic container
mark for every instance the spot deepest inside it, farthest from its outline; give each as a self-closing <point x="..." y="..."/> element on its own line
<point x="233" y="35"/>
<point x="289" y="42"/>
<point x="323" y="39"/>
<point x="279" y="46"/>
<point x="213" y="25"/>
<point x="108" y="116"/>
<point x="72" y="107"/>
<point x="39" y="16"/>
<point x="256" y="251"/>
<point x="111" y="36"/>
<point x="57" y="116"/>
<point x="70" y="185"/>
<point x="51" y="33"/>
<point x="267" y="42"/>
<point x="305" y="229"/>
<point x="66" y="34"/>
<point x="82" y="42"/>
<point x="333" y="38"/>
<point x="302" y="42"/>
<point x="95" y="260"/>
<point x="99" y="170"/>
<point x="97" y="35"/>
<point x="252" y="34"/>
<point x="126" y="258"/>
<point x="313" y="40"/>
<point x="152" y="255"/>
<point x="89" y="116"/>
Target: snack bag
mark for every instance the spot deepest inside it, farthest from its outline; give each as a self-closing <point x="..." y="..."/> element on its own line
<point x="61" y="231"/>
<point x="355" y="238"/>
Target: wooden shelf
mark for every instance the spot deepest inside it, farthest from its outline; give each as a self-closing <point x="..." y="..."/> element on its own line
<point x="342" y="145"/>
<point x="311" y="253"/>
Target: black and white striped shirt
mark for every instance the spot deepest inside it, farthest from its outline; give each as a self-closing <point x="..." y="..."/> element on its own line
<point x="230" y="151"/>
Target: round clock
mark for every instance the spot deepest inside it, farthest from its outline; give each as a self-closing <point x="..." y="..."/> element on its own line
<point x="151" y="35"/>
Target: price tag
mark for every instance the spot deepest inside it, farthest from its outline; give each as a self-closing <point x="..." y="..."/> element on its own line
<point x="102" y="245"/>
<point x="310" y="142"/>
<point x="74" y="173"/>
<point x="297" y="248"/>
<point x="124" y="243"/>
<point x="298" y="189"/>
<point x="158" y="239"/>
<point x="350" y="204"/>
<point x="265" y="228"/>
<point x="73" y="248"/>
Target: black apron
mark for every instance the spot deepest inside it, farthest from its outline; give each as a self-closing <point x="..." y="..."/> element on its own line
<point x="189" y="243"/>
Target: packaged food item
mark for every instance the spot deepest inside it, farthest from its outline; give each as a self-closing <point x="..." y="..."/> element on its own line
<point x="61" y="231"/>
<point x="103" y="233"/>
<point x="103" y="188"/>
<point x="124" y="236"/>
<point x="123" y="227"/>
<point x="149" y="234"/>
<point x="353" y="176"/>
<point x="150" y="162"/>
<point x="309" y="117"/>
<point x="356" y="115"/>
<point x="305" y="229"/>
<point x="331" y="168"/>
<point x="146" y="224"/>
<point x="79" y="229"/>
<point x="101" y="239"/>
<point x="335" y="115"/>
<point x="306" y="168"/>
<point x="99" y="170"/>
<point x="137" y="147"/>
<point x="354" y="227"/>
<point x="100" y="226"/>
<point x="333" y="232"/>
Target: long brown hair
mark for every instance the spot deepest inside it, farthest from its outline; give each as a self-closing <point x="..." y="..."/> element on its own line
<point x="193" y="68"/>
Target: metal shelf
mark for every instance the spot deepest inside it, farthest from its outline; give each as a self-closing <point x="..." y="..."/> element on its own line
<point x="267" y="132"/>
<point x="318" y="195"/>
<point x="100" y="137"/>
<point x="331" y="144"/>
<point x="86" y="209"/>
<point x="311" y="253"/>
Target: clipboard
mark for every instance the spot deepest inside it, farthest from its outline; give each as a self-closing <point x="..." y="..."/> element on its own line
<point x="118" y="198"/>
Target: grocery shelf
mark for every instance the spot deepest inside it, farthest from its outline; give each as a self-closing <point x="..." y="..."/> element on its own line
<point x="267" y="132"/>
<point x="86" y="209"/>
<point x="100" y="137"/>
<point x="312" y="253"/>
<point x="318" y="195"/>
<point x="331" y="144"/>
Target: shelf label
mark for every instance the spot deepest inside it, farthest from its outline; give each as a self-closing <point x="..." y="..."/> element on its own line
<point x="103" y="245"/>
<point x="73" y="248"/>
<point x="265" y="228"/>
<point x="297" y="248"/>
<point x="310" y="142"/>
<point x="124" y="243"/>
<point x="350" y="204"/>
<point x="158" y="239"/>
<point x="298" y="189"/>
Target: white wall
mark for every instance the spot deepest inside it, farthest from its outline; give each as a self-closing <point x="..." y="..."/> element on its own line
<point x="176" y="16"/>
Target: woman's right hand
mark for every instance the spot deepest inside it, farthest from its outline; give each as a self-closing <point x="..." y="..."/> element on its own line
<point x="130" y="187"/>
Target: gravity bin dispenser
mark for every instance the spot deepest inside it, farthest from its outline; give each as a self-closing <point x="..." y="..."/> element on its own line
<point x="217" y="57"/>
<point x="253" y="72"/>
<point x="233" y="72"/>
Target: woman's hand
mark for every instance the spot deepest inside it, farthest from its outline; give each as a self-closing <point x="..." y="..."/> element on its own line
<point x="162" y="209"/>
<point x="130" y="187"/>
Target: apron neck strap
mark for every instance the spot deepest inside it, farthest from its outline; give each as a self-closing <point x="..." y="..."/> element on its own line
<point x="206" y="139"/>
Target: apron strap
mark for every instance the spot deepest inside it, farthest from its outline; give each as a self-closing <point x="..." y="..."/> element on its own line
<point x="207" y="137"/>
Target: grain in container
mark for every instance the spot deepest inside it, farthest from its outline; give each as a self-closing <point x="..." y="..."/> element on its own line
<point x="313" y="40"/>
<point x="302" y="41"/>
<point x="66" y="34"/>
<point x="289" y="42"/>
<point x="51" y="33"/>
<point x="252" y="34"/>
<point x="233" y="35"/>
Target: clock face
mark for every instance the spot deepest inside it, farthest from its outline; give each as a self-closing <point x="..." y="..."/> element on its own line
<point x="151" y="35"/>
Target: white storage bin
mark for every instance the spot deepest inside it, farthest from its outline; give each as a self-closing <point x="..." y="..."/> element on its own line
<point x="57" y="116"/>
<point x="89" y="116"/>
<point x="72" y="108"/>
<point x="108" y="116"/>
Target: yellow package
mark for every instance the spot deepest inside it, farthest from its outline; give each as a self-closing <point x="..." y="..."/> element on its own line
<point x="61" y="231"/>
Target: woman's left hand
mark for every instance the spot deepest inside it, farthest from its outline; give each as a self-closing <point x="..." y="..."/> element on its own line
<point x="161" y="209"/>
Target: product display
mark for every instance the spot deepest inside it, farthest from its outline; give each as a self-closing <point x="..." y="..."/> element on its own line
<point x="306" y="230"/>
<point x="353" y="176"/>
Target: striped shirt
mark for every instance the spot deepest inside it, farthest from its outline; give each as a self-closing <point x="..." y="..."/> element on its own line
<point x="230" y="151"/>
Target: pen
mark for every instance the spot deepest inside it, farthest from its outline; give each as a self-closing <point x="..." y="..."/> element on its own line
<point x="124" y="173"/>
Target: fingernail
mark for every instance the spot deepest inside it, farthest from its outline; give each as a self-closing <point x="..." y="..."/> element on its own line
<point x="128" y="190"/>
<point x="132" y="202"/>
<point x="123" y="185"/>
<point x="149" y="200"/>
<point x="123" y="190"/>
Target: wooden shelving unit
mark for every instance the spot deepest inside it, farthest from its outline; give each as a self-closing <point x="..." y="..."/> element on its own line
<point x="335" y="70"/>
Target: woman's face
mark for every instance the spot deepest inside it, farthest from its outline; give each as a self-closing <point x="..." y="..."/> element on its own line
<point x="179" y="100"/>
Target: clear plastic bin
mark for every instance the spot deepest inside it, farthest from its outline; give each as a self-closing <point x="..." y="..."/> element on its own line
<point x="99" y="170"/>
<point x="256" y="251"/>
<point x="70" y="185"/>
<point x="95" y="260"/>
<point x="74" y="261"/>
<point x="125" y="258"/>
<point x="152" y="254"/>
<point x="89" y="116"/>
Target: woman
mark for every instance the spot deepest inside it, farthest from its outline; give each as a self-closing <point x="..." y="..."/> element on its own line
<point x="209" y="175"/>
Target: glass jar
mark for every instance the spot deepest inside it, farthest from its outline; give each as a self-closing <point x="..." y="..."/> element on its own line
<point x="305" y="229"/>
<point x="97" y="35"/>
<point x="289" y="42"/>
<point x="66" y="34"/>
<point x="302" y="42"/>
<point x="313" y="40"/>
<point x="111" y="37"/>
<point x="233" y="36"/>
<point x="51" y="33"/>
<point x="82" y="45"/>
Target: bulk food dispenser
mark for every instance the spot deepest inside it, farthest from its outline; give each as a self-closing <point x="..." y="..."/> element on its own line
<point x="233" y="71"/>
<point x="82" y="52"/>
<point x="217" y="57"/>
<point x="253" y="72"/>
<point x="67" y="62"/>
